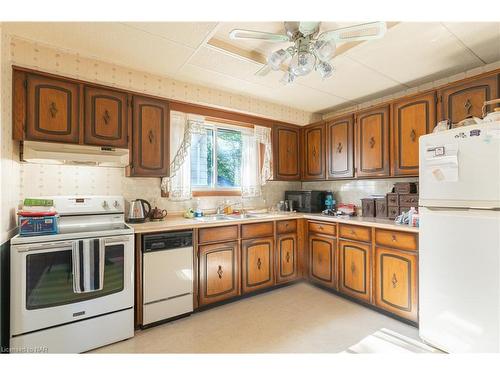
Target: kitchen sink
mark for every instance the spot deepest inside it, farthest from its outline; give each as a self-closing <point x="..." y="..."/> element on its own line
<point x="212" y="218"/>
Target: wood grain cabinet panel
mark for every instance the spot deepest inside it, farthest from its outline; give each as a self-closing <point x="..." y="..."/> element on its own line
<point x="286" y="226"/>
<point x="372" y="142"/>
<point x="396" y="282"/>
<point x="322" y="263"/>
<point x="340" y="147"/>
<point x="286" y="258"/>
<point x="355" y="232"/>
<point x="105" y="117"/>
<point x="219" y="272"/>
<point x="257" y="264"/>
<point x="461" y="100"/>
<point x="257" y="230"/>
<point x="218" y="234"/>
<point x="150" y="154"/>
<point x="314" y="152"/>
<point x="355" y="269"/>
<point x="411" y="118"/>
<point x="286" y="153"/>
<point x="53" y="109"/>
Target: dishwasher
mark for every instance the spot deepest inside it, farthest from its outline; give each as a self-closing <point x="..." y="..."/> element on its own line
<point x="167" y="274"/>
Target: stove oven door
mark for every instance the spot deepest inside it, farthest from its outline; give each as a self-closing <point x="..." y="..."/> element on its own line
<point x="42" y="292"/>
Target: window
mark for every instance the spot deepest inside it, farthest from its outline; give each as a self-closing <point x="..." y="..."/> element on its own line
<point x="216" y="158"/>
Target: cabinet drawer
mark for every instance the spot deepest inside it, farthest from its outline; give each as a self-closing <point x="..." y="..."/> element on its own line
<point x="218" y="234"/>
<point x="286" y="226"/>
<point x="355" y="232"/>
<point x="322" y="228"/>
<point x="392" y="199"/>
<point x="408" y="200"/>
<point x="392" y="212"/>
<point x="257" y="230"/>
<point x="397" y="239"/>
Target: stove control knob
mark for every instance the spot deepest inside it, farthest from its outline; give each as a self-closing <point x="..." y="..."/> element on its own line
<point x="116" y="204"/>
<point x="105" y="204"/>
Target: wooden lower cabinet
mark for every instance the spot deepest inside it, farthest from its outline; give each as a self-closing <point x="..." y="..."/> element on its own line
<point x="355" y="269"/>
<point x="257" y="266"/>
<point x="322" y="264"/>
<point x="219" y="276"/>
<point x="286" y="258"/>
<point x="396" y="282"/>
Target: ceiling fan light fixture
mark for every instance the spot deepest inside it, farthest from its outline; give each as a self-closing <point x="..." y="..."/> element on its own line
<point x="302" y="63"/>
<point x="277" y="58"/>
<point x="287" y="78"/>
<point x="324" y="69"/>
<point x="325" y="49"/>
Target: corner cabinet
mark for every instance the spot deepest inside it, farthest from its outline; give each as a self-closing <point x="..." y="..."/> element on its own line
<point x="340" y="144"/>
<point x="51" y="108"/>
<point x="219" y="276"/>
<point x="461" y="100"/>
<point x="411" y="118"/>
<point x="106" y="117"/>
<point x="286" y="153"/>
<point x="314" y="151"/>
<point x="257" y="264"/>
<point x="150" y="133"/>
<point x="372" y="142"/>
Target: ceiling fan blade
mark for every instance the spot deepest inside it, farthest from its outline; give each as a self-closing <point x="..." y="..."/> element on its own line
<point x="264" y="71"/>
<point x="308" y="28"/>
<point x="366" y="31"/>
<point x="261" y="35"/>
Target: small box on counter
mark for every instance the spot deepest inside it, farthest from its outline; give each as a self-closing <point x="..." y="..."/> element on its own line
<point x="38" y="225"/>
<point x="368" y="207"/>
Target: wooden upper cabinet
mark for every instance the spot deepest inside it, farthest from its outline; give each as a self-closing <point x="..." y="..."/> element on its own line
<point x="355" y="265"/>
<point x="322" y="259"/>
<point x="286" y="153"/>
<point x="411" y="118"/>
<point x="314" y="152"/>
<point x="52" y="109"/>
<point x="150" y="148"/>
<point x="459" y="101"/>
<point x="219" y="266"/>
<point x="257" y="265"/>
<point x="372" y="142"/>
<point x="340" y="140"/>
<point x="106" y="117"/>
<point x="286" y="257"/>
<point x="396" y="282"/>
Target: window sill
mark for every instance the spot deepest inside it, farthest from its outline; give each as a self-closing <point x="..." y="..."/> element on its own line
<point x="216" y="193"/>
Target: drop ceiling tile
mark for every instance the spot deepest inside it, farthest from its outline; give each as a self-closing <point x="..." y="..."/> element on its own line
<point x="412" y="52"/>
<point x="483" y="38"/>
<point x="191" y="34"/>
<point x="308" y="99"/>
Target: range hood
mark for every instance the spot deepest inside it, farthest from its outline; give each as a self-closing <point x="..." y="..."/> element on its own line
<point x="68" y="154"/>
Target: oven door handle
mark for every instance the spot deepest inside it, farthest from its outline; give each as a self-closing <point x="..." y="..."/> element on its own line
<point x="44" y="246"/>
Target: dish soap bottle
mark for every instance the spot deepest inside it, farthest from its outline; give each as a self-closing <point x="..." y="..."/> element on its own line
<point x="412" y="212"/>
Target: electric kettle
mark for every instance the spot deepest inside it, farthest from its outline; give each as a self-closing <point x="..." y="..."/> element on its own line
<point x="138" y="212"/>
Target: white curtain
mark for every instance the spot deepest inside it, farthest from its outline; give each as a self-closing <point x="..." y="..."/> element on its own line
<point x="250" y="181"/>
<point x="263" y="136"/>
<point x="182" y="128"/>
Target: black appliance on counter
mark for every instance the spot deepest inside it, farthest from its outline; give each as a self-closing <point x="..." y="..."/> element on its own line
<point x="307" y="200"/>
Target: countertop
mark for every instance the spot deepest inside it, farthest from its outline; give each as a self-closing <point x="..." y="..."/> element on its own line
<point x="179" y="222"/>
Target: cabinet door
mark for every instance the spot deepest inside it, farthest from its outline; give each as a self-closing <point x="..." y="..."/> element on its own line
<point x="466" y="99"/>
<point x="286" y="258"/>
<point x="322" y="259"/>
<point x="396" y="282"/>
<point x="257" y="263"/>
<point x="52" y="110"/>
<point x="412" y="117"/>
<point x="372" y="145"/>
<point x="219" y="266"/>
<point x="314" y="152"/>
<point x="286" y="153"/>
<point x="105" y="117"/>
<point x="340" y="148"/>
<point x="150" y="156"/>
<point x="355" y="267"/>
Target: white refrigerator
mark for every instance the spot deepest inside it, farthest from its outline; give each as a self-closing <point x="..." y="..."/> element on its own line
<point x="459" y="251"/>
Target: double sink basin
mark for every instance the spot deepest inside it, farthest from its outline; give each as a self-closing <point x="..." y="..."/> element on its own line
<point x="212" y="218"/>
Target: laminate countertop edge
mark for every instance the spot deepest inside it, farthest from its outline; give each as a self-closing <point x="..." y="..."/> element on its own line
<point x="181" y="223"/>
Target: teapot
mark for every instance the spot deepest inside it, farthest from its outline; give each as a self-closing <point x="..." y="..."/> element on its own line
<point x="492" y="116"/>
<point x="157" y="214"/>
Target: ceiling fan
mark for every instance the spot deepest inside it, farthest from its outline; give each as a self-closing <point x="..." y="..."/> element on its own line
<point x="311" y="50"/>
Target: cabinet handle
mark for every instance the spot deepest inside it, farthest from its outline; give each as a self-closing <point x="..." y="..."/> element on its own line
<point x="314" y="152"/>
<point x="394" y="280"/>
<point x="353" y="267"/>
<point x="151" y="136"/>
<point x="372" y="142"/>
<point x="321" y="227"/>
<point x="259" y="263"/>
<point x="353" y="232"/>
<point x="288" y="257"/>
<point x="286" y="225"/>
<point x="288" y="151"/>
<point x="53" y="109"/>
<point x="413" y="135"/>
<point x="339" y="148"/>
<point x="106" y="117"/>
<point x="220" y="272"/>
<point x="468" y="106"/>
<point x="394" y="238"/>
